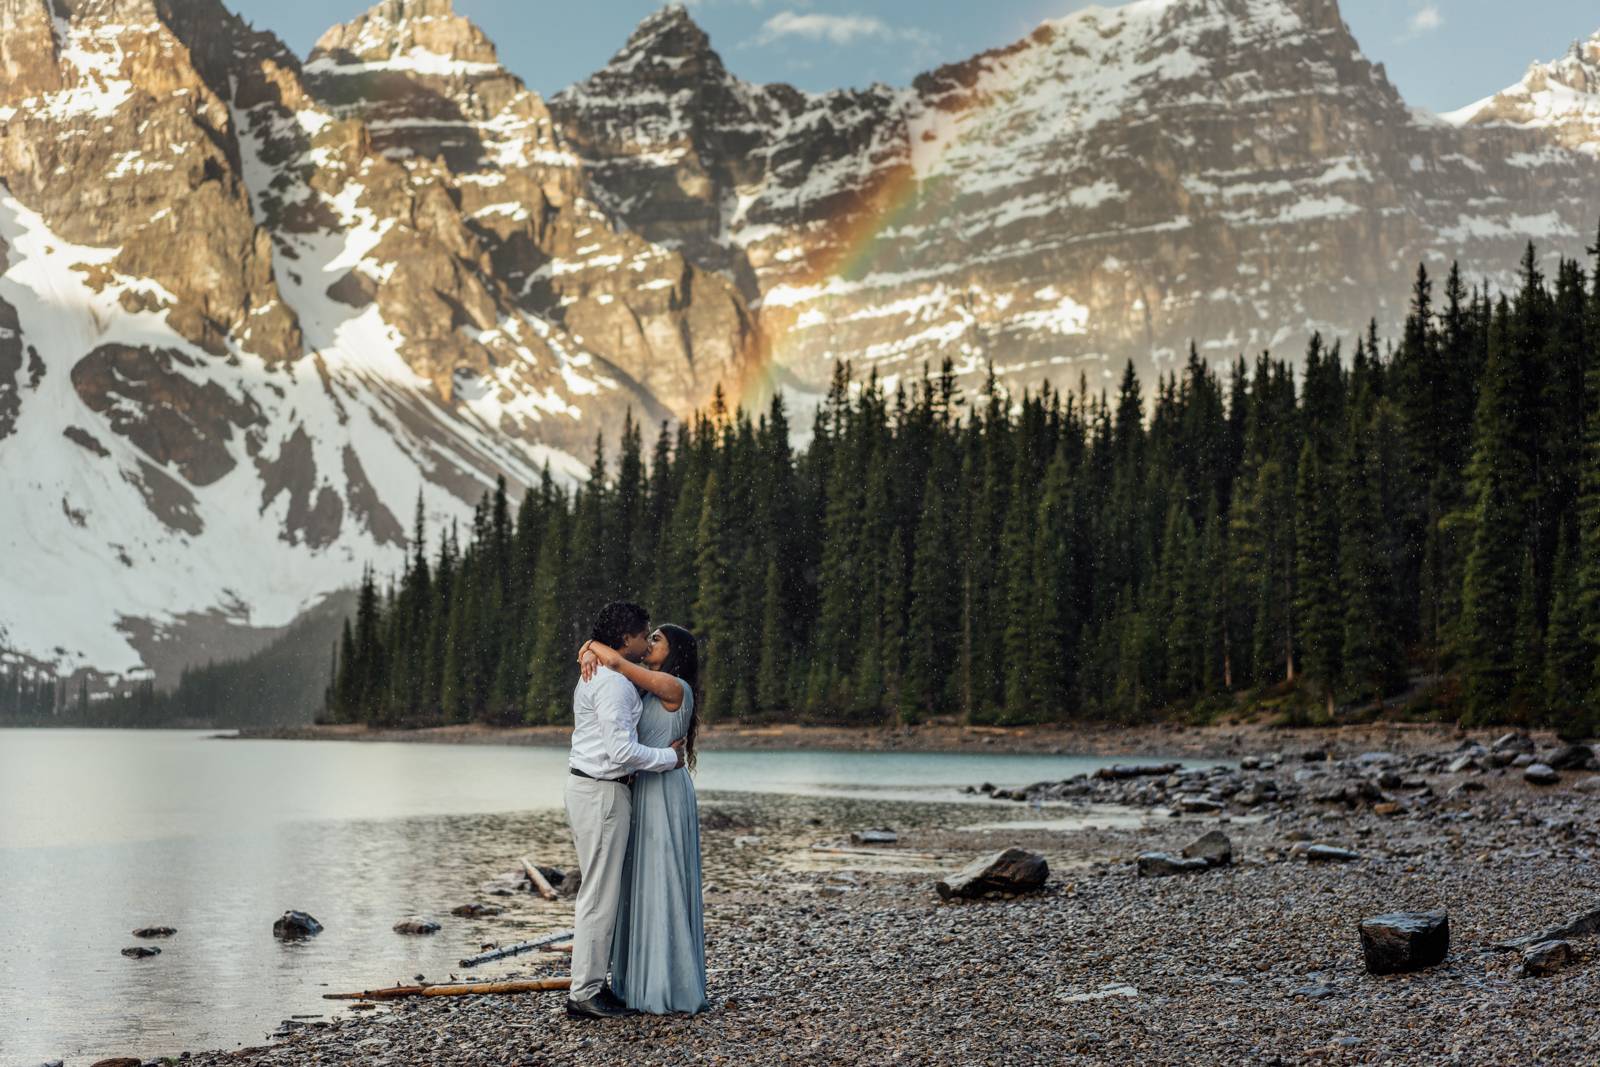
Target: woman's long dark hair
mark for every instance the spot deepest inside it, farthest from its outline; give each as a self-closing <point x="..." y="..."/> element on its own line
<point x="683" y="661"/>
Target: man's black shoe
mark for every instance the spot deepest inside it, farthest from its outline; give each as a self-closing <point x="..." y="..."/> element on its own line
<point x="596" y="1007"/>
<point x="608" y="997"/>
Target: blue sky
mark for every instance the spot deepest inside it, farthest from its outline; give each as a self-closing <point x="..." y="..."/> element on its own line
<point x="1442" y="54"/>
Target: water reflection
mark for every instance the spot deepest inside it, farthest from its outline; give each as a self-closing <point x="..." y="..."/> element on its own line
<point x="102" y="832"/>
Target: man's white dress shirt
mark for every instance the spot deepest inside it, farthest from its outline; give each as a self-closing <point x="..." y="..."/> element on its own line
<point x="605" y="729"/>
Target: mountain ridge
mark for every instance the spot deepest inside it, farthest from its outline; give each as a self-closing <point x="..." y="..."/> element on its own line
<point x="277" y="301"/>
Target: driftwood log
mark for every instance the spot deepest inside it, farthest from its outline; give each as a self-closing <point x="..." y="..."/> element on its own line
<point x="517" y="949"/>
<point x="540" y="882"/>
<point x="464" y="989"/>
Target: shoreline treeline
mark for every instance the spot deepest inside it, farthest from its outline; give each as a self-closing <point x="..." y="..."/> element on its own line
<point x="1417" y="522"/>
<point x="1427" y="511"/>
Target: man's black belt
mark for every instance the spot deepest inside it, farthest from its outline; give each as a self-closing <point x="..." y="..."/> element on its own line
<point x="628" y="781"/>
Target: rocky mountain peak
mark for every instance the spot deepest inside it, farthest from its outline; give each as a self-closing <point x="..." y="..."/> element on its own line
<point x="424" y="35"/>
<point x="669" y="31"/>
<point x="1561" y="97"/>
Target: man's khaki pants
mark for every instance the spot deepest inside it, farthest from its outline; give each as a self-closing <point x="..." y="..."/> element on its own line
<point x="599" y="814"/>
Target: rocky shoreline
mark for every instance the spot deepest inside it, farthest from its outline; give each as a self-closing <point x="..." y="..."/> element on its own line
<point x="841" y="954"/>
<point x="1229" y="741"/>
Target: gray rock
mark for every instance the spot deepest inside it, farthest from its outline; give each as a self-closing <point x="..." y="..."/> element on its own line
<point x="1462" y="763"/>
<point x="1328" y="854"/>
<point x="1570" y="758"/>
<point x="1541" y="774"/>
<point x="1164" y="864"/>
<point x="476" y="911"/>
<point x="1404" y="941"/>
<point x="1212" y="847"/>
<point x="1014" y="870"/>
<point x="1145" y="770"/>
<point x="1316" y="991"/>
<point x="1546" y="958"/>
<point x="1514" y="742"/>
<point x="1580" y="925"/>
<point x="881" y="836"/>
<point x="1588" y="785"/>
<point x="1199" y="805"/>
<point x="154" y="931"/>
<point x="295" y="924"/>
<point x="416" y="925"/>
<point x="139" y="952"/>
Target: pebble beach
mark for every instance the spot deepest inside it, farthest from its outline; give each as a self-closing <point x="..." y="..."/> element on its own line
<point x="820" y="952"/>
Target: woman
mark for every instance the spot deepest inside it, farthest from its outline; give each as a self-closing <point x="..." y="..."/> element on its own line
<point x="658" y="956"/>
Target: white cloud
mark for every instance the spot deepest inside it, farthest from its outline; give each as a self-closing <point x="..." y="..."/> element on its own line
<point x="834" y="29"/>
<point x="1426" y="20"/>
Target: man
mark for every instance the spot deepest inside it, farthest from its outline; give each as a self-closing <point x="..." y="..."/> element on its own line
<point x="605" y="755"/>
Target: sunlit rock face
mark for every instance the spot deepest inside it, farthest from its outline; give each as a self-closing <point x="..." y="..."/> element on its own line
<point x="1561" y="100"/>
<point x="428" y="87"/>
<point x="1119" y="183"/>
<point x="251" y="310"/>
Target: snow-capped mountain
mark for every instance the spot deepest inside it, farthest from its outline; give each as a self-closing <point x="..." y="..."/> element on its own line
<point x="251" y="306"/>
<point x="1121" y="182"/>
<point x="1560" y="100"/>
<point x="241" y="329"/>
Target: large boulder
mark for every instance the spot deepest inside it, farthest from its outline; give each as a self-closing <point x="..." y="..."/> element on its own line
<point x="1404" y="941"/>
<point x="1212" y="847"/>
<point x="295" y="925"/>
<point x="1015" y="870"/>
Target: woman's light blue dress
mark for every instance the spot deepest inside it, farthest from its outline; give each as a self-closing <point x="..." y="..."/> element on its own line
<point x="658" y="955"/>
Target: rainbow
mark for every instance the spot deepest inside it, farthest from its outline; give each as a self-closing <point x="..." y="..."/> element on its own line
<point x="853" y="239"/>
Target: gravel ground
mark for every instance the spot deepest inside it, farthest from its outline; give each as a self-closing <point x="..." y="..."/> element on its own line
<point x="819" y="958"/>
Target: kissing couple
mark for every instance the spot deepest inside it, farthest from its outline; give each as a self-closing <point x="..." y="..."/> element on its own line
<point x="634" y="817"/>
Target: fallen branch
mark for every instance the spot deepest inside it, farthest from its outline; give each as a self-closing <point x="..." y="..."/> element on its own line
<point x="538" y="879"/>
<point x="519" y="947"/>
<point x="465" y="989"/>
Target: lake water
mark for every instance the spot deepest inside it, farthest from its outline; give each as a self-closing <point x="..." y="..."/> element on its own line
<point x="103" y="831"/>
